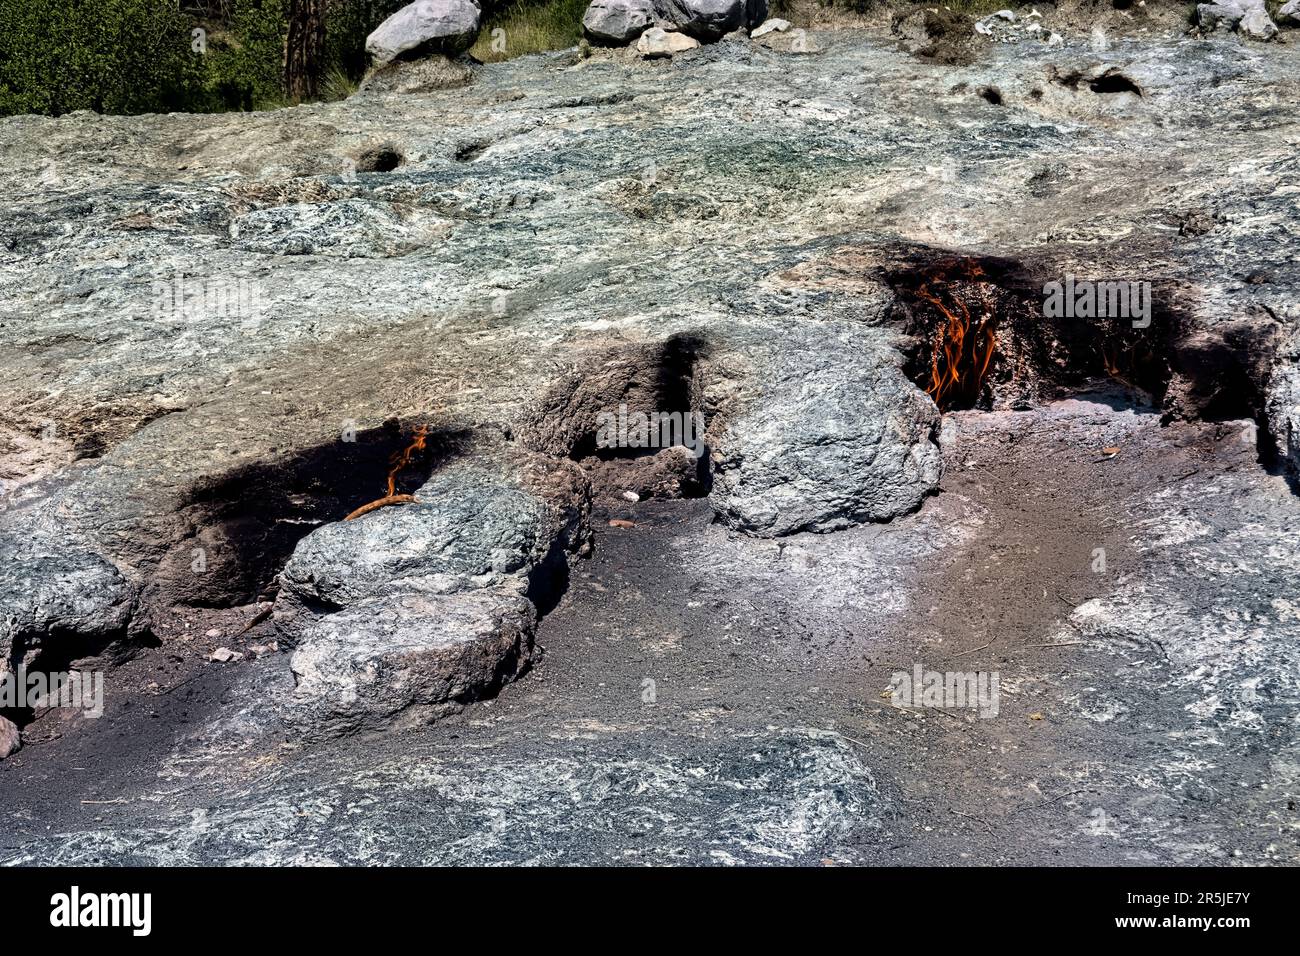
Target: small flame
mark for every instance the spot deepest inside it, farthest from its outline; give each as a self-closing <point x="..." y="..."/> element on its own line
<point x="403" y="458"/>
<point x="963" y="347"/>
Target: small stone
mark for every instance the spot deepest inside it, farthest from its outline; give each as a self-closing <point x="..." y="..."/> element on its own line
<point x="630" y="496"/>
<point x="212" y="632"/>
<point x="777" y="25"/>
<point x="656" y="43"/>
<point x="224" y="655"/>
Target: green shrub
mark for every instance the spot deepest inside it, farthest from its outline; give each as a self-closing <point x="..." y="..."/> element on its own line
<point x="112" y="56"/>
<point x="244" y="65"/>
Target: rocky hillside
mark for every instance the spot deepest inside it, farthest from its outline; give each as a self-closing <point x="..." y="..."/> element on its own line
<point x="225" y="334"/>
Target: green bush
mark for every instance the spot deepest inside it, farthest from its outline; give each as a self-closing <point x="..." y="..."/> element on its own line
<point x="244" y="65"/>
<point x="112" y="56"/>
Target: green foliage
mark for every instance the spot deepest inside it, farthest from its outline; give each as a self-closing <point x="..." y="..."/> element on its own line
<point x="530" y="26"/>
<point x="244" y="65"/>
<point x="113" y="56"/>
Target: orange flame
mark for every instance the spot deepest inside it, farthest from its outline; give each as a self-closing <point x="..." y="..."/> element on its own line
<point x="403" y="458"/>
<point x="963" y="347"/>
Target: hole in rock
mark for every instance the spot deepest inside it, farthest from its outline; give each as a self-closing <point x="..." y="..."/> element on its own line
<point x="1112" y="81"/>
<point x="633" y="416"/>
<point x="379" y="159"/>
<point x="984" y="336"/>
<point x="246" y="523"/>
<point x="992" y="95"/>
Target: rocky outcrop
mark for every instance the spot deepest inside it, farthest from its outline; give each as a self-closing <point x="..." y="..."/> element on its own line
<point x="56" y="595"/>
<point x="1289" y="13"/>
<point x="424" y="27"/>
<point x="851" y="443"/>
<point x="617" y="22"/>
<point x="405" y="659"/>
<point x="1248" y="17"/>
<point x="403" y="614"/>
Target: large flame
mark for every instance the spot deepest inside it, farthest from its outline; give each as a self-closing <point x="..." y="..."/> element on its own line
<point x="963" y="345"/>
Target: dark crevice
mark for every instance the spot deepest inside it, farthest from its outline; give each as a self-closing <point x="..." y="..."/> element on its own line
<point x="380" y="159"/>
<point x="983" y="335"/>
<point x="248" y="522"/>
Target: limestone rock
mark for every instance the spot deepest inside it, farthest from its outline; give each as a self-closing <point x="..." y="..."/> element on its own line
<point x="656" y="43"/>
<point x="426" y="26"/>
<point x="775" y="25"/>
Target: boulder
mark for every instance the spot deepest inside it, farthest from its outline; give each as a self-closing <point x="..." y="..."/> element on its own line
<point x="473" y="525"/>
<point x="1247" y="17"/>
<point x="617" y="21"/>
<point x="426" y="26"/>
<point x="657" y="42"/>
<point x="53" y="592"/>
<point x="1289" y="14"/>
<point x="827" y="445"/>
<point x="705" y="20"/>
<point x="405" y="660"/>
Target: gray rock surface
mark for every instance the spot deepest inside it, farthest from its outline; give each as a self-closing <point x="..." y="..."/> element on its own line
<point x="466" y="530"/>
<point x="555" y="210"/>
<point x="778" y="476"/>
<point x="1289" y="13"/>
<point x="405" y="660"/>
<point x="56" y="596"/>
<point x="426" y="26"/>
<point x="617" y="21"/>
<point x="10" y="738"/>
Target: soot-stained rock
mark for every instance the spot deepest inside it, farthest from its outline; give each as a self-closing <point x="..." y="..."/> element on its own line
<point x="406" y="659"/>
<point x="472" y="525"/>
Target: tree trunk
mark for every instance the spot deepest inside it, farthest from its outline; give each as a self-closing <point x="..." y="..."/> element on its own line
<point x="304" y="53"/>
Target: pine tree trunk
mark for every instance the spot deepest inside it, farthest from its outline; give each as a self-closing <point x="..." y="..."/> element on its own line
<point x="304" y="53"/>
